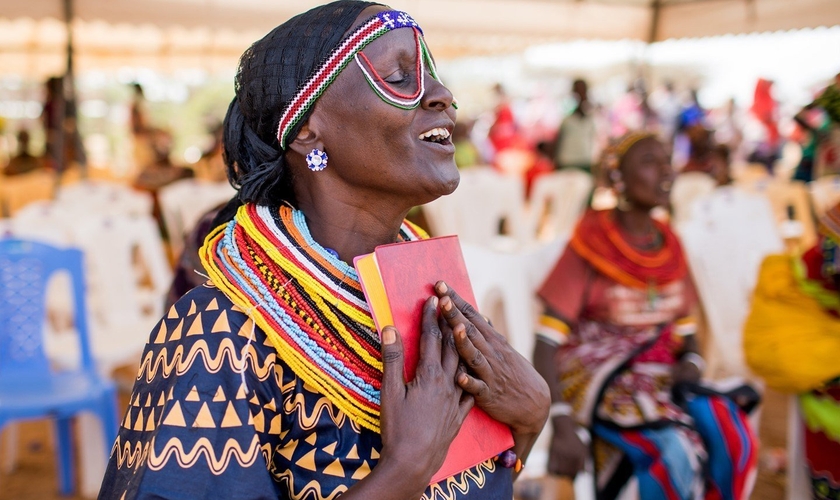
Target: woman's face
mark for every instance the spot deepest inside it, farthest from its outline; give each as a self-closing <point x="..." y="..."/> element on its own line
<point x="379" y="149"/>
<point x="647" y="174"/>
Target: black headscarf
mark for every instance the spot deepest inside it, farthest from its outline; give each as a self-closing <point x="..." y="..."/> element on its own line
<point x="270" y="74"/>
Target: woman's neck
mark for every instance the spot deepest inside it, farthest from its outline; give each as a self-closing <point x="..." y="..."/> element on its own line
<point x="351" y="228"/>
<point x="635" y="221"/>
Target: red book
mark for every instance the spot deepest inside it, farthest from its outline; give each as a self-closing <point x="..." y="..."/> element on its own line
<point x="397" y="279"/>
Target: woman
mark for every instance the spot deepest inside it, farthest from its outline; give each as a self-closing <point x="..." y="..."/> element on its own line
<point x="792" y="338"/>
<point x="616" y="339"/>
<point x="269" y="381"/>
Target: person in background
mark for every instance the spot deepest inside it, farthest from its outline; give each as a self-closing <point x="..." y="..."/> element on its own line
<point x="577" y="135"/>
<point x="721" y="160"/>
<point x="24" y="161"/>
<point x="701" y="146"/>
<point x="821" y="120"/>
<point x="766" y="141"/>
<point x="161" y="172"/>
<point x="271" y="379"/>
<point x="792" y="339"/>
<point x="627" y="112"/>
<point x="189" y="271"/>
<point x="616" y="344"/>
<point x="211" y="165"/>
<point x="727" y="124"/>
<point x="666" y="104"/>
<point x="466" y="154"/>
<point x="63" y="141"/>
<point x="142" y="132"/>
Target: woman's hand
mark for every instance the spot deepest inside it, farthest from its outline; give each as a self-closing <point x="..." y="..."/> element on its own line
<point x="685" y="371"/>
<point x="420" y="419"/>
<point x="503" y="382"/>
<point x="567" y="453"/>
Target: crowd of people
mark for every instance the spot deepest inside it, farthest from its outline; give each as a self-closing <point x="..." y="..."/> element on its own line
<point x="698" y="139"/>
<point x="271" y="379"/>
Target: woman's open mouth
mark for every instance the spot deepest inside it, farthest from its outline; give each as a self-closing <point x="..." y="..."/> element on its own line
<point x="438" y="135"/>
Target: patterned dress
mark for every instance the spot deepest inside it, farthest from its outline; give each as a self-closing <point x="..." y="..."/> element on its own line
<point x="618" y="318"/>
<point x="216" y="413"/>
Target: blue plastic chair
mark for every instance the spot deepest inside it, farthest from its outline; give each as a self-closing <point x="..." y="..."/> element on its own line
<point x="29" y="388"/>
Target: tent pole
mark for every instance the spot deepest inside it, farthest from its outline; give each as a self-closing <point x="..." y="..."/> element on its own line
<point x="656" y="12"/>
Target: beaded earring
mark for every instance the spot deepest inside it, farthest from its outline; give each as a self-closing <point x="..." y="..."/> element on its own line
<point x="316" y="160"/>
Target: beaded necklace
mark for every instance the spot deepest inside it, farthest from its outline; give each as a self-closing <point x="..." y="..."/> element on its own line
<point x="307" y="301"/>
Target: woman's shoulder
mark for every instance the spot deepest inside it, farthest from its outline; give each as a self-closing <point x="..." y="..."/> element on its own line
<point x="204" y="331"/>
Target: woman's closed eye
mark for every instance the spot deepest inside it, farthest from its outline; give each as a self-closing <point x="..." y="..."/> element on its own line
<point x="399" y="78"/>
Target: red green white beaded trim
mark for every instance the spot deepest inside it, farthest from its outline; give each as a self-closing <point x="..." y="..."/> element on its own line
<point x="370" y="30"/>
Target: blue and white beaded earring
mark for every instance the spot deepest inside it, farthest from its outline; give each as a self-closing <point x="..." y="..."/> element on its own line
<point x="316" y="160"/>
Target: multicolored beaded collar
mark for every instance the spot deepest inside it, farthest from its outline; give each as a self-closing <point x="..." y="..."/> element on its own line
<point x="308" y="302"/>
<point x="350" y="49"/>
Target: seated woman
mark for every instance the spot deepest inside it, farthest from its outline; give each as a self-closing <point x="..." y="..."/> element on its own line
<point x="792" y="338"/>
<point x="270" y="380"/>
<point x="617" y="337"/>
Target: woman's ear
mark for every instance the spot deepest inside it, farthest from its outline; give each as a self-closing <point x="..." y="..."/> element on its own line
<point x="309" y="137"/>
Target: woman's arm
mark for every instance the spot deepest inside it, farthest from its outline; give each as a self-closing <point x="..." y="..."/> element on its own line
<point x="567" y="453"/>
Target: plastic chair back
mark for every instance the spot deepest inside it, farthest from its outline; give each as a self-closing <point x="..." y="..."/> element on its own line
<point x="562" y="197"/>
<point x="825" y="193"/>
<point x="183" y="203"/>
<point x="484" y="199"/>
<point x="688" y="187"/>
<point x="728" y="235"/>
<point x="25" y="269"/>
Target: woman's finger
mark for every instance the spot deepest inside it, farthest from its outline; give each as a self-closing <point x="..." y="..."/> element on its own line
<point x="393" y="380"/>
<point x="450" y="357"/>
<point x="431" y="336"/>
<point x="455" y="317"/>
<point x="464" y="406"/>
<point x="473" y="358"/>
<point x="474" y="386"/>
<point x="467" y="310"/>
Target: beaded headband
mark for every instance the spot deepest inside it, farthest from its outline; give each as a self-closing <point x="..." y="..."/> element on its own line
<point x="370" y="30"/>
<point x="617" y="152"/>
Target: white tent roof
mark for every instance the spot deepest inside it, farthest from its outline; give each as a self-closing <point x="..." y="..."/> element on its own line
<point x="171" y="34"/>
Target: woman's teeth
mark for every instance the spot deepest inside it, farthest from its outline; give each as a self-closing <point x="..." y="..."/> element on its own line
<point x="435" y="135"/>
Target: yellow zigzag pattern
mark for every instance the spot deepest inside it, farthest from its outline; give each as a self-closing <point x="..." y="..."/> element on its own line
<point x="312" y="489"/>
<point x="180" y="364"/>
<point x="128" y="456"/>
<point x="203" y="446"/>
<point x="308" y="421"/>
<point x="446" y="490"/>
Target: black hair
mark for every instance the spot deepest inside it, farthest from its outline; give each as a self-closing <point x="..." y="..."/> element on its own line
<point x="270" y="73"/>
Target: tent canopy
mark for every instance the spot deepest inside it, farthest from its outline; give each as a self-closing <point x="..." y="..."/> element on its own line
<point x="212" y="33"/>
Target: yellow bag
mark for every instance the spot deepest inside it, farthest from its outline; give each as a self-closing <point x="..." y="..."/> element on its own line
<point x="789" y="339"/>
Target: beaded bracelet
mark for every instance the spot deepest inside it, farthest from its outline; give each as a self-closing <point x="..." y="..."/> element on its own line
<point x="508" y="460"/>
<point x="695" y="359"/>
<point x="560" y="409"/>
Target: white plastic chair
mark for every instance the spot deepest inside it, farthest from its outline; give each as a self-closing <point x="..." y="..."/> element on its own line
<point x="557" y="201"/>
<point x="104" y="197"/>
<point x="687" y="188"/>
<point x="182" y="204"/>
<point x="825" y="193"/>
<point x="726" y="238"/>
<point x="475" y="210"/>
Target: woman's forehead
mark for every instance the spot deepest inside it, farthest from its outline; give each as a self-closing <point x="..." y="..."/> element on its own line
<point x="397" y="44"/>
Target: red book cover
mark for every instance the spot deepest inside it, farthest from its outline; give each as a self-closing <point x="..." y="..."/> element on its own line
<point x="407" y="273"/>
